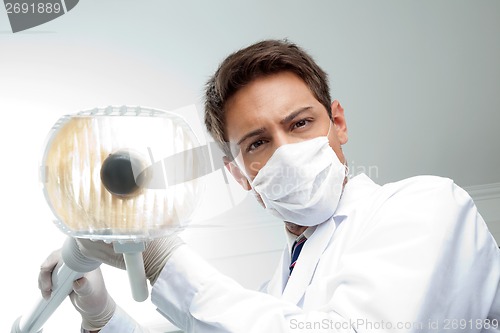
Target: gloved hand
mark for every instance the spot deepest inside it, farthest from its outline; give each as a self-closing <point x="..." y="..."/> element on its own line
<point x="92" y="300"/>
<point x="156" y="255"/>
<point x="89" y="296"/>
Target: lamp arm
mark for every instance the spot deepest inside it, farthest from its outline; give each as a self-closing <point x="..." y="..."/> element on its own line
<point x="72" y="267"/>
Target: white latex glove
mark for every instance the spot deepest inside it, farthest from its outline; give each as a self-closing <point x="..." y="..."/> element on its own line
<point x="45" y="275"/>
<point x="155" y="256"/>
<point x="89" y="296"/>
<point x="92" y="300"/>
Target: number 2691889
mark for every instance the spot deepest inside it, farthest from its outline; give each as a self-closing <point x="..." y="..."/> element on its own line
<point x="33" y="8"/>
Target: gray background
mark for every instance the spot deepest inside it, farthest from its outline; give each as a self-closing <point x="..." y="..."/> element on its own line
<point x="419" y="80"/>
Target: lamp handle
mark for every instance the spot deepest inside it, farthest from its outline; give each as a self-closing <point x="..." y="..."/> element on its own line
<point x="72" y="267"/>
<point x="132" y="254"/>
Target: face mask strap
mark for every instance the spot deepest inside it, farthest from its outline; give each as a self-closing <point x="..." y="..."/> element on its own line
<point x="329" y="127"/>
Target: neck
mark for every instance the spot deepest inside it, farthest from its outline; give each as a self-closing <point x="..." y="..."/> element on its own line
<point x="295" y="229"/>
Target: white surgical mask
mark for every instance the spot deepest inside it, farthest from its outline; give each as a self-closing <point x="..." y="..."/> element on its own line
<point x="302" y="182"/>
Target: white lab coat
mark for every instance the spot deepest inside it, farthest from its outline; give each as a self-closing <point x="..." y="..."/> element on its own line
<point x="411" y="256"/>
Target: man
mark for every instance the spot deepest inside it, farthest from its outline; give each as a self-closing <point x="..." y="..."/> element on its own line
<point x="411" y="256"/>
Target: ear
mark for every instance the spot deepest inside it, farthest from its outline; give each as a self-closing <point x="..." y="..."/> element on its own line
<point x="237" y="173"/>
<point x="339" y="121"/>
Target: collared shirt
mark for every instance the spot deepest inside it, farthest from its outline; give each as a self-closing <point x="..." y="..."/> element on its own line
<point x="291" y="238"/>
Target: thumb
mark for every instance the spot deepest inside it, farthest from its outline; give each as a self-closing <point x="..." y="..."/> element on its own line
<point x="82" y="287"/>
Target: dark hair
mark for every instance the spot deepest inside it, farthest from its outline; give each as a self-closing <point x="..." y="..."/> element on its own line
<point x="260" y="59"/>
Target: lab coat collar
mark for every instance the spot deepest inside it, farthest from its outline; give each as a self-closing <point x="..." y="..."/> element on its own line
<point x="303" y="272"/>
<point x="292" y="288"/>
<point x="279" y="280"/>
<point x="356" y="189"/>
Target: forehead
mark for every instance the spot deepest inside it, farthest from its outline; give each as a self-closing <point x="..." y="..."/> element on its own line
<point x="266" y="99"/>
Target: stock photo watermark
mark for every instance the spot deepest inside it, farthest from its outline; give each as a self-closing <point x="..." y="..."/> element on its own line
<point x="27" y="14"/>
<point x="372" y="171"/>
<point x="364" y="324"/>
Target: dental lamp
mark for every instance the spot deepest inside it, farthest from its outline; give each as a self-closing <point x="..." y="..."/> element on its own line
<point x="122" y="175"/>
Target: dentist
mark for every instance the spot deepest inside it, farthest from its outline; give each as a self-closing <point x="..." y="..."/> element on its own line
<point x="410" y="256"/>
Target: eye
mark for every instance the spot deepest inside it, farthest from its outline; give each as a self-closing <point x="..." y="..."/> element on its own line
<point x="255" y="145"/>
<point x="301" y="123"/>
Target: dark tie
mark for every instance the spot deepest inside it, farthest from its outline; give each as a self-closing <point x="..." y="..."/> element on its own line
<point x="296" y="248"/>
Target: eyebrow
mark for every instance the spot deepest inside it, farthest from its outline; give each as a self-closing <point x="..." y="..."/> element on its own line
<point x="294" y="114"/>
<point x="287" y="119"/>
<point x="256" y="132"/>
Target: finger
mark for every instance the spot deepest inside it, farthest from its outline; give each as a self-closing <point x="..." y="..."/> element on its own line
<point x="82" y="287"/>
<point x="46" y="289"/>
<point x="75" y="300"/>
<point x="45" y="275"/>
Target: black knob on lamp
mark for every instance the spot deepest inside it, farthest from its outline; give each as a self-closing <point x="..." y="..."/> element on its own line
<point x="117" y="174"/>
